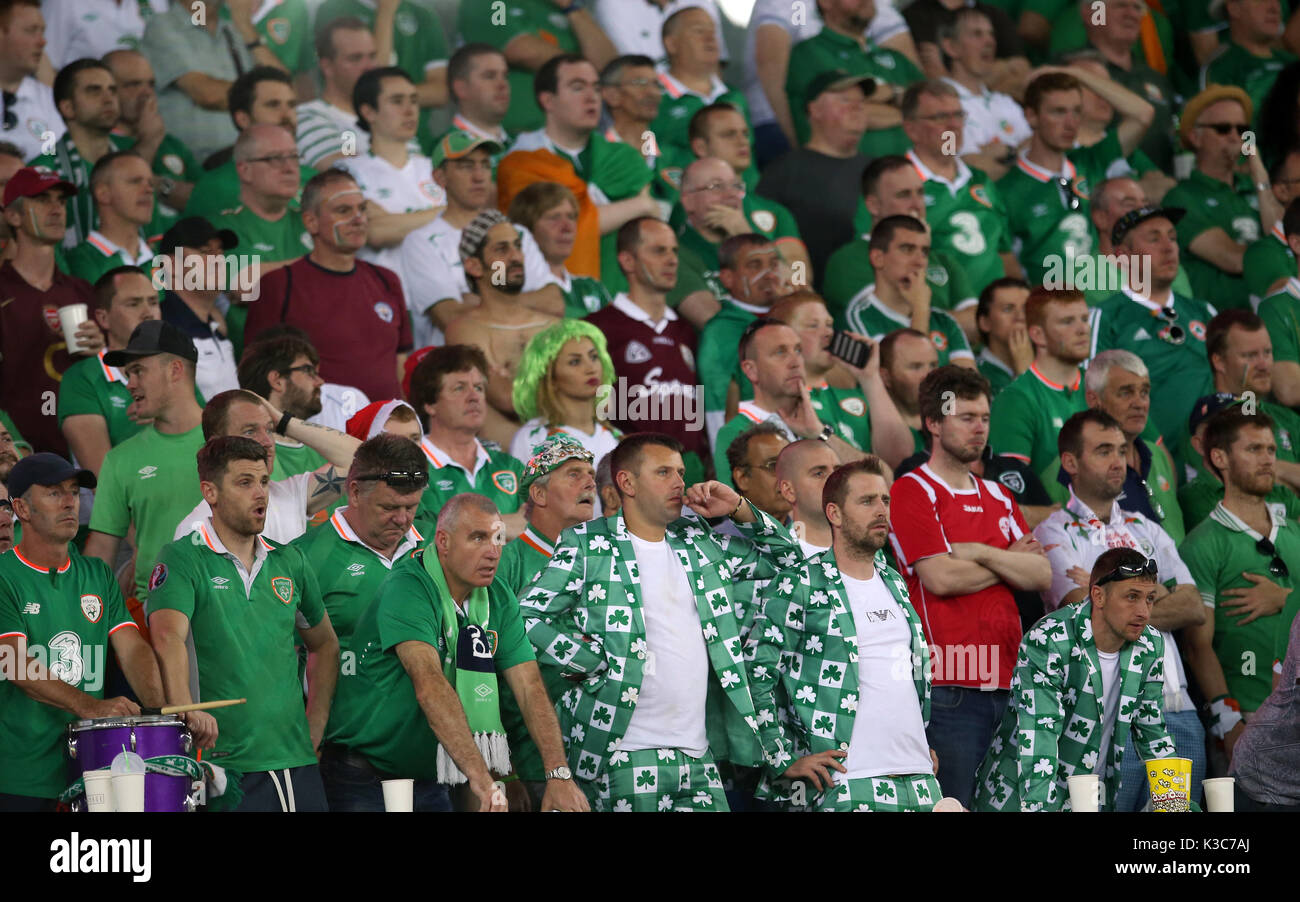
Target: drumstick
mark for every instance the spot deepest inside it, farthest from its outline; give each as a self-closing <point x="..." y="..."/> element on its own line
<point x="197" y="706"/>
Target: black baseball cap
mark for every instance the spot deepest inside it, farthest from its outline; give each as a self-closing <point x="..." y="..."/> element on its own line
<point x="1132" y="218"/>
<point x="154" y="336"/>
<point x="1208" y="406"/>
<point x="195" y="231"/>
<point x="45" y="468"/>
<point x="838" y="80"/>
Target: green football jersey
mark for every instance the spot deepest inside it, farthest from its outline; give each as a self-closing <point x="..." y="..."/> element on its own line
<point x="677" y="104"/>
<point x="283" y="239"/>
<point x="584" y="295"/>
<point x="849" y="271"/>
<point x="149" y="482"/>
<point x="968" y="221"/>
<point x="1026" y="419"/>
<point x="1267" y="262"/>
<point x="749" y="415"/>
<point x="844" y="410"/>
<point x="217" y="191"/>
<point x="1218" y="552"/>
<point x="1180" y="373"/>
<point x="292" y="458"/>
<point x="66" y="615"/>
<point x="245" y="649"/>
<point x="286" y="28"/>
<point x="95" y="256"/>
<point x="68" y="162"/>
<point x="1210" y="204"/>
<point x="994" y="370"/>
<point x="376" y="713"/>
<point x="1280" y="312"/>
<point x="91" y="386"/>
<point x="496" y="476"/>
<point x="1233" y="64"/>
<point x="1202" y="494"/>
<point x="1049" y="221"/>
<point x="868" y="315"/>
<point x="716" y="360"/>
<point x="1162" y="489"/>
<point x="499" y="24"/>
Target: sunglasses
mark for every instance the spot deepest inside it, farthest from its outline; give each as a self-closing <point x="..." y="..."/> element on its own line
<point x="11" y="115"/>
<point x="1223" y="128"/>
<point x="1068" y="197"/>
<point x="405" y="479"/>
<point x="1276" y="566"/>
<point x="1147" y="569"/>
<point x="1174" y="334"/>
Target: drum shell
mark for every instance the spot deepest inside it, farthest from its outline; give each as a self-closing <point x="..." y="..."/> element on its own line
<point x="98" y="742"/>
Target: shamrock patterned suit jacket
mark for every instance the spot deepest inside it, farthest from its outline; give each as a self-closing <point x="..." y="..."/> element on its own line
<point x="583" y="614"/>
<point x="1052" y="727"/>
<point x="802" y="656"/>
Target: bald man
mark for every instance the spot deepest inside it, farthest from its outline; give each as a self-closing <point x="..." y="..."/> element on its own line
<point x="801" y="472"/>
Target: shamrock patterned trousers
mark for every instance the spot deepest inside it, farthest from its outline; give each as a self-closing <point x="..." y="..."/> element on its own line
<point x="658" y="780"/>
<point x="915" y="792"/>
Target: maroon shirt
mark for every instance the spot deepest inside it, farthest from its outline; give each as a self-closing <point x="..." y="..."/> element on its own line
<point x="33" y="354"/>
<point x="660" y="393"/>
<point x="357" y="320"/>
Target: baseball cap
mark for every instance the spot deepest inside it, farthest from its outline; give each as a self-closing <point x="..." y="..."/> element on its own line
<point x="550" y="454"/>
<point x="33" y="180"/>
<point x="473" y="235"/>
<point x="457" y="143"/>
<point x="45" y="468"/>
<point x="837" y="80"/>
<point x="1133" y="218"/>
<point x="1208" y="406"/>
<point x="151" y="337"/>
<point x="195" y="231"/>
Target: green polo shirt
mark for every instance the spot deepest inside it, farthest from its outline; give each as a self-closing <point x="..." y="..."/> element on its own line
<point x="1280" y="312"/>
<point x="994" y="370"/>
<point x="149" y="482"/>
<point x="1027" y="418"/>
<point x="749" y="415"/>
<point x="968" y="222"/>
<point x="678" y="104"/>
<point x="1049" y="223"/>
<point x="68" y="162"/>
<point x="376" y="713"/>
<point x="1233" y="64"/>
<point x="217" y="191"/>
<point x="716" y="360"/>
<point x="1162" y="487"/>
<point x="867" y="315"/>
<point x="91" y="259"/>
<point x="1218" y="552"/>
<point x="1103" y="273"/>
<point x="499" y="24"/>
<point x="294" y="458"/>
<point x="1202" y="494"/>
<point x="1267" y="262"/>
<point x="66" y="616"/>
<point x="496" y="476"/>
<point x="273" y="241"/>
<point x="845" y="410"/>
<point x="90" y="386"/>
<point x="830" y="50"/>
<point x="245" y="649"/>
<point x="584" y="296"/>
<point x="1212" y="204"/>
<point x="849" y="271"/>
<point x="286" y="28"/>
<point x="1159" y="91"/>
<point x="1180" y="374"/>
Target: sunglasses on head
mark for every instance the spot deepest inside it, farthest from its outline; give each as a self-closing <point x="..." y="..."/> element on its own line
<point x="1068" y="197"/>
<point x="404" y="479"/>
<point x="1147" y="569"/>
<point x="10" y="115"/>
<point x="1276" y="566"/>
<point x="1174" y="334"/>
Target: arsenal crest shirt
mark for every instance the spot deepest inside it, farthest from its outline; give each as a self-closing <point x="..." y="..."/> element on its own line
<point x="66" y="615"/>
<point x="243" y="637"/>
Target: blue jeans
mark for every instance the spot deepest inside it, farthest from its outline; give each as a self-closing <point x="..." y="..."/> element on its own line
<point x="962" y="724"/>
<point x="353" y="785"/>
<point x="1189" y="742"/>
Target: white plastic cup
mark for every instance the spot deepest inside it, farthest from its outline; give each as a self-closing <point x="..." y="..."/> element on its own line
<point x="70" y="317"/>
<point x="128" y="792"/>
<point x="1218" y="793"/>
<point x="99" y="790"/>
<point x="1085" y="792"/>
<point x="399" y="795"/>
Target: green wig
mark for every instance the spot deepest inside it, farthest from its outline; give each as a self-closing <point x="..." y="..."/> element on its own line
<point x="539" y="356"/>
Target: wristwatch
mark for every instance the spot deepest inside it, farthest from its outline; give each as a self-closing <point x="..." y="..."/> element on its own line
<point x="826" y="434"/>
<point x="253" y="45"/>
<point x="560" y="773"/>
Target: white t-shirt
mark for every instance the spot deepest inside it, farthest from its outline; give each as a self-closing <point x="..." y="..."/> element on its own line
<point x="534" y="432"/>
<point x="36" y="120"/>
<point x="990" y="115"/>
<point x="637" y="27"/>
<point x="429" y="260"/>
<point x="884" y="698"/>
<point x="669" y="710"/>
<point x="286" y="510"/>
<point x="75" y="29"/>
<point x="217" y="370"/>
<point x="338" y="404"/>
<point x="809" y="549"/>
<point x="1110" y="683"/>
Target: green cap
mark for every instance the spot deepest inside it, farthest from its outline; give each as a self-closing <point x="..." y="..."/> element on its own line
<point x="456" y="143"/>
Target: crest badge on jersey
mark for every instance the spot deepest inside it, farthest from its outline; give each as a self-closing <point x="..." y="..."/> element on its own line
<point x="51" y="317"/>
<point x="940" y="340"/>
<point x="278" y="29"/>
<point x="92" y="606"/>
<point x="978" y="192"/>
<point x="282" y="586"/>
<point x="853" y="406"/>
<point x="764" y="220"/>
<point x="1013" y="480"/>
<point x="1197" y="328"/>
<point x="384" y="311"/>
<point x="636" y="353"/>
<point x="157" y="577"/>
<point x="506" y="481"/>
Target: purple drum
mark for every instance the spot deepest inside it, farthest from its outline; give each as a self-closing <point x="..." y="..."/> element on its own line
<point x="93" y="744"/>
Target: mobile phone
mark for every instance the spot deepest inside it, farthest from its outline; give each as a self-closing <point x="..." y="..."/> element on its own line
<point x="853" y="352"/>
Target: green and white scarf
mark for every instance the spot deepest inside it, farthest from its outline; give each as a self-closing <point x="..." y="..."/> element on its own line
<point x="469" y="667"/>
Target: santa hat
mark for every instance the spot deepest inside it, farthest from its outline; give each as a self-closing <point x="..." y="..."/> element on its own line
<point x="370" y="420"/>
<point x="408" y="369"/>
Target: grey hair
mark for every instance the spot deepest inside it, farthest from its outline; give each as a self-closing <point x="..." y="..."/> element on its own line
<point x="604" y="473"/>
<point x="450" y="515"/>
<point x="1101" y="191"/>
<point x="1099" y="369"/>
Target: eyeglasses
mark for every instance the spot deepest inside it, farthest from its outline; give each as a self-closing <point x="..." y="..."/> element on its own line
<point x="1068" y="195"/>
<point x="737" y="186"/>
<point x="309" y="369"/>
<point x="1172" y="333"/>
<point x="404" y="479"/>
<point x="1276" y="566"/>
<point x="767" y="466"/>
<point x="1223" y="128"/>
<point x="11" y="115"/>
<point x="637" y="83"/>
<point x="1147" y="569"/>
<point x="278" y="159"/>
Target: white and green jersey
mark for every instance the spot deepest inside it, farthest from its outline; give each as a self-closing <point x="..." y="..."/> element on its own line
<point x="968" y="220"/>
<point x="496" y="476"/>
<point x="868" y="315"/>
<point x="583" y="295"/>
<point x="244" y="649"/>
<point x="1219" y="553"/>
<point x="1026" y="419"/>
<point x="66" y="616"/>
